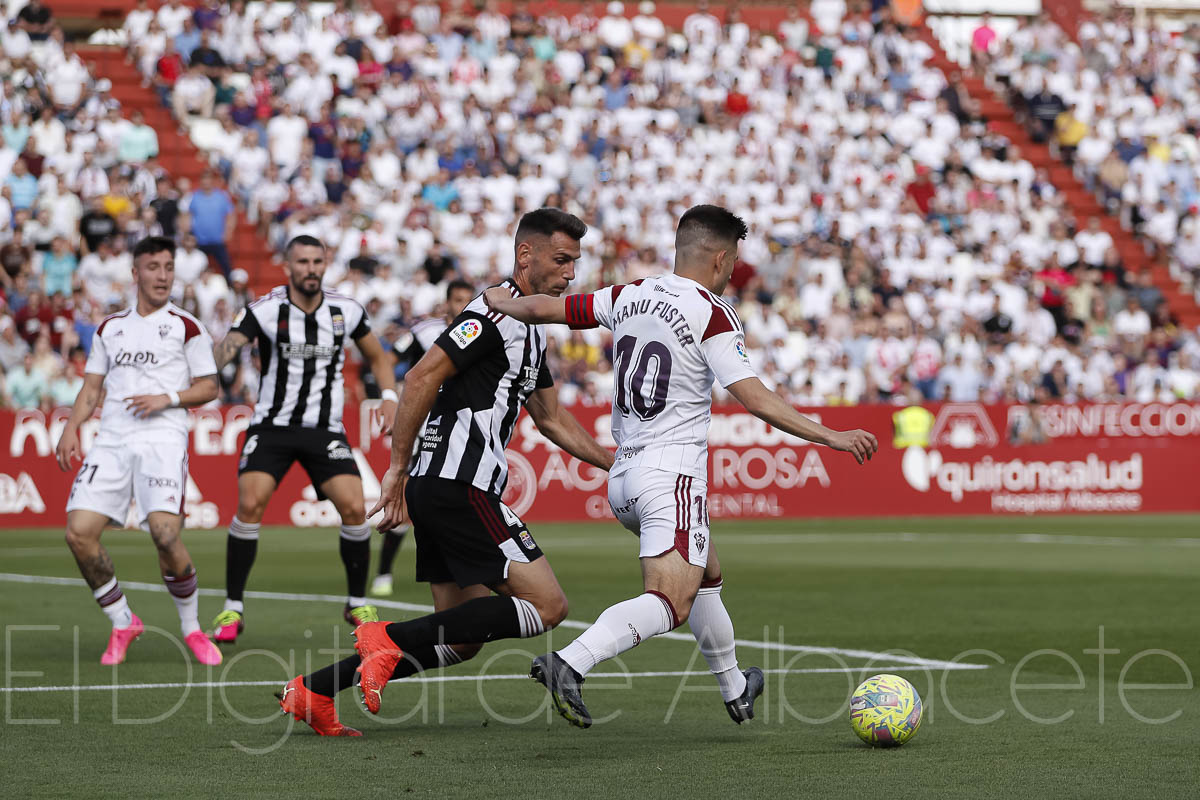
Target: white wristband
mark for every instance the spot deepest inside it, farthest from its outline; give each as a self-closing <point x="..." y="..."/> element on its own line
<point x="174" y="398"/>
<point x="389" y="394"/>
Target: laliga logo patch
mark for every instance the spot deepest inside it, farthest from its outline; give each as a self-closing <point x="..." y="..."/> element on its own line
<point x="466" y="332"/>
<point x="741" y="350"/>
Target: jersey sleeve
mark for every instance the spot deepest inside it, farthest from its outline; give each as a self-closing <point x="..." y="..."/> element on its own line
<point x="470" y="338"/>
<point x="363" y="327"/>
<point x="198" y="350"/>
<point x="724" y="346"/>
<point x="246" y="324"/>
<point x="592" y="310"/>
<point x="97" y="361"/>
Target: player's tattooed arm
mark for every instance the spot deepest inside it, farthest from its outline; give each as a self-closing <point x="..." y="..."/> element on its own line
<point x="773" y="409"/>
<point x="537" y="309"/>
<point x="560" y="426"/>
<point x="227" y="349"/>
<point x="85" y="404"/>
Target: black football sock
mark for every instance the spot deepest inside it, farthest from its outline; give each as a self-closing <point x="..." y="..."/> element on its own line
<point x="337" y="677"/>
<point x="356" y="556"/>
<point x="484" y="619"/>
<point x="241" y="547"/>
<point x="387" y="554"/>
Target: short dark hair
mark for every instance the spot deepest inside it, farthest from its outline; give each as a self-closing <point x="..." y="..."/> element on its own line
<point x="154" y="244"/>
<point x="709" y="222"/>
<point x="303" y="240"/>
<point x="456" y="284"/>
<point x="549" y="221"/>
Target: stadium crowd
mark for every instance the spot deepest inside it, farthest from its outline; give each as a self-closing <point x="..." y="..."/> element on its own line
<point x="899" y="251"/>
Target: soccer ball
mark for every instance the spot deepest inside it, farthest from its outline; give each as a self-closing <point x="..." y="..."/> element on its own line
<point x="885" y="711"/>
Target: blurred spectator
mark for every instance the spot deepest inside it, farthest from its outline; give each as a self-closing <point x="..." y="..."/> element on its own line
<point x="212" y="216"/>
<point x="25" y="385"/>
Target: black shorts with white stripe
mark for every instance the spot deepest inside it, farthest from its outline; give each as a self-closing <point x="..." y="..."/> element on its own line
<point x="465" y="535"/>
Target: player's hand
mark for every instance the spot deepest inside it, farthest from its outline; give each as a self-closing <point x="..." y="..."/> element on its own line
<point x="143" y="405"/>
<point x="858" y="443"/>
<point x="68" y="448"/>
<point x="391" y="500"/>
<point x="497" y="297"/>
<point x="384" y="415"/>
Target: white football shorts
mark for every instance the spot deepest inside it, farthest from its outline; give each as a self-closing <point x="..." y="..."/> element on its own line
<point x="666" y="510"/>
<point x="154" y="474"/>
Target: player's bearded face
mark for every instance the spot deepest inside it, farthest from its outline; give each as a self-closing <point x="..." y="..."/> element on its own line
<point x="155" y="275"/>
<point x="306" y="269"/>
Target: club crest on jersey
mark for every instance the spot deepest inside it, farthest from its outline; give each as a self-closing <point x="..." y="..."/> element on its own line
<point x="527" y="540"/>
<point x="164" y="331"/>
<point x="339" y="325"/>
<point x="466" y="332"/>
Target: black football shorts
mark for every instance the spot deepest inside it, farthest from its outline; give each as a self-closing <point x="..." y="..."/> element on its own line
<point x="465" y="535"/>
<point x="323" y="454"/>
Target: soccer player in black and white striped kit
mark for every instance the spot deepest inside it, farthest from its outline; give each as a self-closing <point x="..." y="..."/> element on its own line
<point x="488" y="577"/>
<point x="423" y="334"/>
<point x="302" y="332"/>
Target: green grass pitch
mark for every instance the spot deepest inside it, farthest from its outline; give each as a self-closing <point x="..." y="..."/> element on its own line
<point x="1027" y="598"/>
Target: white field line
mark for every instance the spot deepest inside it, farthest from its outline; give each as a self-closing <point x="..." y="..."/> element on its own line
<point x="910" y="660"/>
<point x="920" y="537"/>
<point x="107" y="687"/>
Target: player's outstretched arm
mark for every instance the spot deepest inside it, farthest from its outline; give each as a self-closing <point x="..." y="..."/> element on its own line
<point x="560" y="426"/>
<point x="383" y="368"/>
<point x="536" y="309"/>
<point x="227" y="349"/>
<point x="771" y="408"/>
<point x="421" y="386"/>
<point x="85" y="403"/>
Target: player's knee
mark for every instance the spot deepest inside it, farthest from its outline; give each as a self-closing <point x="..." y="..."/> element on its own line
<point x="251" y="510"/>
<point x="78" y="540"/>
<point x="165" y="536"/>
<point x="353" y="515"/>
<point x="553" y="610"/>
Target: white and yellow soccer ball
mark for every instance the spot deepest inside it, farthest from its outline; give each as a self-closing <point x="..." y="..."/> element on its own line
<point x="885" y="711"/>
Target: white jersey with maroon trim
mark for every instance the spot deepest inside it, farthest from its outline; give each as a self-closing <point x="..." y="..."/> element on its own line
<point x="159" y="353"/>
<point x="671" y="338"/>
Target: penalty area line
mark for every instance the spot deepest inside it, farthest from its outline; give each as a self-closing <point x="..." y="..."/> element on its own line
<point x="106" y="687"/>
<point x="775" y="647"/>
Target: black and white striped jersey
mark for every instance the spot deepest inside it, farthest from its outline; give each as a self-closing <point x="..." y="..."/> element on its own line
<point x="500" y="362"/>
<point x="302" y="357"/>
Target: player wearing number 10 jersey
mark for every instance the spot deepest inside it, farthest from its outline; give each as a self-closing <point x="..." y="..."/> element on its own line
<point x="672" y="336"/>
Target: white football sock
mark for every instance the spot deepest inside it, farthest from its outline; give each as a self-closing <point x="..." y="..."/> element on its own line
<point x="617" y="629"/>
<point x="187" y="601"/>
<point x="713" y="630"/>
<point x="234" y="605"/>
<point x="113" y="603"/>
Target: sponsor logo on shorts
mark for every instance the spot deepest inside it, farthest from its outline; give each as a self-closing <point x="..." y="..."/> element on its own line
<point x="251" y="443"/>
<point x="339" y="325"/>
<point x="466" y="332"/>
<point x="527" y="540"/>
<point x="162" y="483"/>
<point x="637" y="637"/>
<point x="338" y="451"/>
<point x="170" y="499"/>
<point x="164" y="331"/>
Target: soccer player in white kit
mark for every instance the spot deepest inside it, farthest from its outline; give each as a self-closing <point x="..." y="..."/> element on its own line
<point x="148" y="363"/>
<point x="671" y="336"/>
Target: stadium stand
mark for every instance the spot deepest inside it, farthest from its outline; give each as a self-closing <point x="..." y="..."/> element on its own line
<point x="910" y="238"/>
